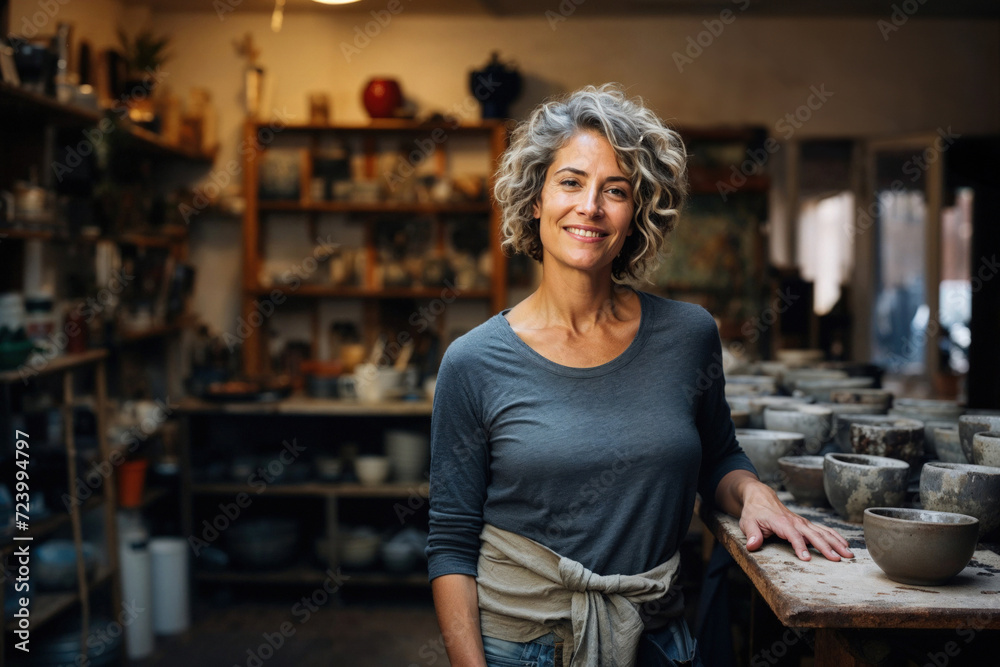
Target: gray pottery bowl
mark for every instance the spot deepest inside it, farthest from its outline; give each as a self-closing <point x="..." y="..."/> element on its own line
<point x="969" y="425"/>
<point x="758" y="404"/>
<point x="820" y="390"/>
<point x="889" y="436"/>
<point x="986" y="448"/>
<point x="962" y="488"/>
<point x="919" y="547"/>
<point x="842" y="428"/>
<point x="803" y="477"/>
<point x="815" y="423"/>
<point x="765" y="448"/>
<point x="855" y="482"/>
<point x="925" y="408"/>
<point x="877" y="398"/>
<point x="947" y="445"/>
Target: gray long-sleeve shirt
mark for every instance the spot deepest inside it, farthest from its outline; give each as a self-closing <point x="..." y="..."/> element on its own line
<point x="599" y="464"/>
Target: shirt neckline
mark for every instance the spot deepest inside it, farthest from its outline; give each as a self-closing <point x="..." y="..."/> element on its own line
<point x="628" y="354"/>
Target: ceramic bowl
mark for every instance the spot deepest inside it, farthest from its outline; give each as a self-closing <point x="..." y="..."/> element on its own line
<point x="791" y="378"/>
<point x="758" y="404"/>
<point x="765" y="448"/>
<point x="986" y="448"/>
<point x="919" y="547"/>
<point x="962" y="488"/>
<point x="54" y="566"/>
<point x="358" y="548"/>
<point x="751" y="384"/>
<point x="803" y="477"/>
<point x="924" y="408"/>
<point x="855" y="482"/>
<point x="842" y="428"/>
<point x="969" y="425"/>
<point x="819" y="390"/>
<point x="799" y="357"/>
<point x="815" y="423"/>
<point x="888" y="436"/>
<point x="877" y="398"/>
<point x="947" y="445"/>
<point x="398" y="557"/>
<point x="372" y="470"/>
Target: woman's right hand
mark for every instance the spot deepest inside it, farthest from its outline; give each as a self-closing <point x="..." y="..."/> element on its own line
<point x="456" y="600"/>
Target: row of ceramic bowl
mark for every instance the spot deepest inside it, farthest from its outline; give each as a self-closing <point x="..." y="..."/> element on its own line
<point x="362" y="548"/>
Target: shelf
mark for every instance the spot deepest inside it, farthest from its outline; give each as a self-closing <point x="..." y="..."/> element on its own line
<point x="60" y="364"/>
<point x="708" y="181"/>
<point x="374" y="293"/>
<point x="321" y="489"/>
<point x="305" y="574"/>
<point x="304" y="405"/>
<point x="383" y="125"/>
<point x="63" y="236"/>
<point x="41" y="528"/>
<point x="427" y="208"/>
<point x="14" y="99"/>
<point x="46" y="606"/>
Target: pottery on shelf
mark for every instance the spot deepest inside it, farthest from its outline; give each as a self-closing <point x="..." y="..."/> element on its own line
<point x="382" y="97"/>
<point x="765" y="448"/>
<point x="986" y="448"/>
<point x="496" y="85"/>
<point x="803" y="478"/>
<point x="920" y="547"/>
<point x="888" y="436"/>
<point x="963" y="488"/>
<point x="969" y="425"/>
<point x="855" y="482"/>
<point x="815" y="423"/>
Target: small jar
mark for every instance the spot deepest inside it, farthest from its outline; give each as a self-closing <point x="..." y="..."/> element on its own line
<point x="39" y="318"/>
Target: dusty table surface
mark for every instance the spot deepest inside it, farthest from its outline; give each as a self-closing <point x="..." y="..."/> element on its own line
<point x="855" y="593"/>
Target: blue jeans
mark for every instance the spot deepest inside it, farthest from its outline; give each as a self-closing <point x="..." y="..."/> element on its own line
<point x="669" y="646"/>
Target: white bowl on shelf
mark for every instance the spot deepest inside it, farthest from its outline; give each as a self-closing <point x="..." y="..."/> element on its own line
<point x="372" y="470"/>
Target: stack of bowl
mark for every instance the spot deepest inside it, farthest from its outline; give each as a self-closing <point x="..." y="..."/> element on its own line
<point x="408" y="453"/>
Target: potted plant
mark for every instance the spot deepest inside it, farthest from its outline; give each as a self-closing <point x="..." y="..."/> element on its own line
<point x="143" y="55"/>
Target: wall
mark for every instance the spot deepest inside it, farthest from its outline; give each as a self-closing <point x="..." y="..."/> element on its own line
<point x="925" y="75"/>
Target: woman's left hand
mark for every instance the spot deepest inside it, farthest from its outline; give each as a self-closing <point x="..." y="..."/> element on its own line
<point x="761" y="515"/>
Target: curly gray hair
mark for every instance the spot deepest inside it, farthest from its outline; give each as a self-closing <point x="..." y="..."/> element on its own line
<point x="650" y="154"/>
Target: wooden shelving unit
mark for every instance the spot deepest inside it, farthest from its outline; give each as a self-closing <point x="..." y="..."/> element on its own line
<point x="260" y="211"/>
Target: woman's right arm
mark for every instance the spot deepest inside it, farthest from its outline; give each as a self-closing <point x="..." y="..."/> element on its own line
<point x="457" y="603"/>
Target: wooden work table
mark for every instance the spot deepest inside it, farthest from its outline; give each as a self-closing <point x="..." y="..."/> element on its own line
<point x="837" y="598"/>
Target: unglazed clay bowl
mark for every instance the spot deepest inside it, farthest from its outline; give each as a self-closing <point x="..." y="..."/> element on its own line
<point x="920" y="547"/>
<point x="876" y="398"/>
<point x="815" y="423"/>
<point x="765" y="448"/>
<point x="842" y="428"/>
<point x="947" y="445"/>
<point x="855" y="482"/>
<point x="888" y="436"/>
<point x="820" y="390"/>
<point x="803" y="478"/>
<point x="962" y="488"/>
<point x="758" y="404"/>
<point x="986" y="448"/>
<point x="969" y="425"/>
<point x="925" y="408"/>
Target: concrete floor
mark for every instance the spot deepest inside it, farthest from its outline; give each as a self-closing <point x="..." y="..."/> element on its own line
<point x="279" y="634"/>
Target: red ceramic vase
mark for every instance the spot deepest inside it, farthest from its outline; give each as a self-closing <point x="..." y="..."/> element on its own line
<point x="382" y="97"/>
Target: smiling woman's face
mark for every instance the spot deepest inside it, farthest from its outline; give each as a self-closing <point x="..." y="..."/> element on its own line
<point x="585" y="207"/>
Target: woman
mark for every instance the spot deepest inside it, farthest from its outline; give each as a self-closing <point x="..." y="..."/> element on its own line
<point x="570" y="433"/>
